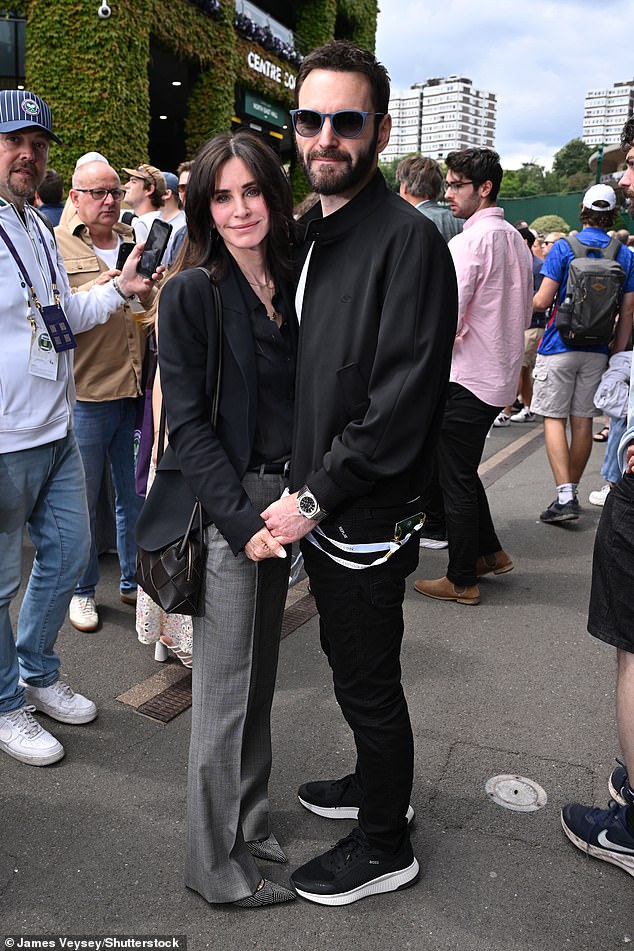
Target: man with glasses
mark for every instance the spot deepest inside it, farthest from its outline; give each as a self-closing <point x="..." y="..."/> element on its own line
<point x="144" y="192"/>
<point x="108" y="364"/>
<point x="377" y="307"/>
<point x="495" y="293"/>
<point x="42" y="484"/>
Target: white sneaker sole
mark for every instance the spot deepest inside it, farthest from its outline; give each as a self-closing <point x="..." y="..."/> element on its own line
<point x="342" y="812"/>
<point x="390" y="882"/>
<point x="626" y="862"/>
<point x="433" y="544"/>
<point x="75" y="719"/>
<point x="33" y="759"/>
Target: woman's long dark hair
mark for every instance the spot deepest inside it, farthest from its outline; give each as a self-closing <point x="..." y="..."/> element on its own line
<point x="202" y="245"/>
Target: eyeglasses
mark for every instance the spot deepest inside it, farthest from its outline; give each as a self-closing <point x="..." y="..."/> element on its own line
<point x="346" y="124"/>
<point x="100" y="194"/>
<point x="182" y="189"/>
<point x="456" y="186"/>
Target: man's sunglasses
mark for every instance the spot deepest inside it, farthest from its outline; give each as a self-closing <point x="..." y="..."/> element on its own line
<point x="346" y="124"/>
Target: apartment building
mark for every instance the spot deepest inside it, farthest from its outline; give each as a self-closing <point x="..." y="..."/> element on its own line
<point x="605" y="112"/>
<point x="440" y="115"/>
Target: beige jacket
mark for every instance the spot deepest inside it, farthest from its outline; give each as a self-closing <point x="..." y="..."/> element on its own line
<point x="108" y="358"/>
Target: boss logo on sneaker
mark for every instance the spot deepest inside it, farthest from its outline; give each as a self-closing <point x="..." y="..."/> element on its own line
<point x="374" y="862"/>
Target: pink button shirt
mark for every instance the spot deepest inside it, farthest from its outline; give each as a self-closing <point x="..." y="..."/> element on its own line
<point x="495" y="305"/>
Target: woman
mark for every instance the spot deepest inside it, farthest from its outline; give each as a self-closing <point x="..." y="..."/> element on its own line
<point x="239" y="222"/>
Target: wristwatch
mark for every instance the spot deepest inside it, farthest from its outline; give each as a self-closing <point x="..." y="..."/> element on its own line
<point x="308" y="506"/>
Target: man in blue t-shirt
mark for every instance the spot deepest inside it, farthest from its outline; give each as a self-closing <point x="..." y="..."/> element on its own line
<point x="566" y="378"/>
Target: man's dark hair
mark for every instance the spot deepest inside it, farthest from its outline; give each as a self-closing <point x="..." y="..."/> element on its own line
<point x="51" y="188"/>
<point x="627" y="135"/>
<point x="341" y="56"/>
<point x="184" y="167"/>
<point x="479" y="166"/>
<point x="155" y="198"/>
<point x="421" y="176"/>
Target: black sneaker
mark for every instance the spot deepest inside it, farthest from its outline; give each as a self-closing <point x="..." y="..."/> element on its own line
<point x="335" y="798"/>
<point x="619" y="786"/>
<point x="556" y="512"/>
<point x="601" y="833"/>
<point x="354" y="870"/>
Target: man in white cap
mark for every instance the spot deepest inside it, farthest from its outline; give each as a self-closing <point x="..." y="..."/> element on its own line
<point x="42" y="482"/>
<point x="566" y="377"/>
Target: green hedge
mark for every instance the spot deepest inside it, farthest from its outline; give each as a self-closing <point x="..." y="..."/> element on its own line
<point x="94" y="72"/>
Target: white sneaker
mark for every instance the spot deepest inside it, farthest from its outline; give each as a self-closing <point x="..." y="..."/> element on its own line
<point x="599" y="497"/>
<point x="524" y="416"/>
<point x="22" y="737"/>
<point x="61" y="703"/>
<point x="501" y="420"/>
<point x="82" y="613"/>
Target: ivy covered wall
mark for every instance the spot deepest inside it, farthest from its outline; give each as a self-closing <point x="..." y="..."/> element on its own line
<point x="94" y="72"/>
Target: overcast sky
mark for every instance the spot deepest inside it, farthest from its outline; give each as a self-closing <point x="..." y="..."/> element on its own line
<point x="538" y="57"/>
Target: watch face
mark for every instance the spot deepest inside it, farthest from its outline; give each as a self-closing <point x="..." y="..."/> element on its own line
<point x="308" y="505"/>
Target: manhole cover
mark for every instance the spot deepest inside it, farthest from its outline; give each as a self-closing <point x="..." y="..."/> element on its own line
<point x="516" y="792"/>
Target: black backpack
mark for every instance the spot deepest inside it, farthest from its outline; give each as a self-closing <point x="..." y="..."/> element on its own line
<point x="585" y="318"/>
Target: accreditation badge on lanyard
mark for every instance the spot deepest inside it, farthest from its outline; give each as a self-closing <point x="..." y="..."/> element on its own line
<point x="55" y="336"/>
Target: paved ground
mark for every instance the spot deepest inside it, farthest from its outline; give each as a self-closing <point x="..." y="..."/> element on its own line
<point x="94" y="844"/>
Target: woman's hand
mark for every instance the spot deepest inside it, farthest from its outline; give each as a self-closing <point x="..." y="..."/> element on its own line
<point x="262" y="545"/>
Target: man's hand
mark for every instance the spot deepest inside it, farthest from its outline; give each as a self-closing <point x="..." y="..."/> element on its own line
<point x="106" y="276"/>
<point x="262" y="545"/>
<point x="131" y="282"/>
<point x="629" y="458"/>
<point x="284" y="521"/>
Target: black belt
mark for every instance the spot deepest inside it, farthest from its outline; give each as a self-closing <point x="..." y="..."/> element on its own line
<point x="272" y="468"/>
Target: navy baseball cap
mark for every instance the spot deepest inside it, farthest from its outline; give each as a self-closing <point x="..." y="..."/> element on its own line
<point x="21" y="109"/>
<point x="171" y="181"/>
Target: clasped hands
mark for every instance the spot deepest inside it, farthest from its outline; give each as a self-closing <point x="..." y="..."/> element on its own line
<point x="284" y="525"/>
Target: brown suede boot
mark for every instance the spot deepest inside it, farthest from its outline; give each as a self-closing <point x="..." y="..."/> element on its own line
<point x="445" y="590"/>
<point x="498" y="563"/>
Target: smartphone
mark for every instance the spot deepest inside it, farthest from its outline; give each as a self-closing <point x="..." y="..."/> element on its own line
<point x="154" y="247"/>
<point x="125" y="249"/>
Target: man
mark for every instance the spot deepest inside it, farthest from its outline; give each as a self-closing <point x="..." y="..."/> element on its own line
<point x="495" y="292"/>
<point x="108" y="370"/>
<point x="420" y="181"/>
<point x="183" y="172"/>
<point x="172" y="211"/>
<point x="41" y="475"/>
<point x="144" y="193"/>
<point x="48" y="197"/>
<point x="608" y="834"/>
<point x="565" y="377"/>
<point x="377" y="302"/>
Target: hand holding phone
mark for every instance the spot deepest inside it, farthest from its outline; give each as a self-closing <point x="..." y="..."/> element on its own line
<point x="155" y="246"/>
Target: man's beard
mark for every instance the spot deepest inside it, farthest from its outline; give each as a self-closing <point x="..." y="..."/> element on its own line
<point x="338" y="181"/>
<point x="23" y="191"/>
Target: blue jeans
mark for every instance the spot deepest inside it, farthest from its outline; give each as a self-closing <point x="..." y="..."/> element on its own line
<point x="42" y="488"/>
<point x="106" y="431"/>
<point x="610" y="468"/>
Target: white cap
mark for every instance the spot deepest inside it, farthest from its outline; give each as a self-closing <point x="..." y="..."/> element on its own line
<point x="90" y="157"/>
<point x="599" y="193"/>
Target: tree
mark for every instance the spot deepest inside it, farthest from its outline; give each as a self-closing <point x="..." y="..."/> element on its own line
<point x="572" y="157"/>
<point x="546" y="223"/>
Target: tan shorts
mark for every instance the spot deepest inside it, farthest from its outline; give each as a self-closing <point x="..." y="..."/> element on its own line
<point x="531" y="343"/>
<point x="564" y="384"/>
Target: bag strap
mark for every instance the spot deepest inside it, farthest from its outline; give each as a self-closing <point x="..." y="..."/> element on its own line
<point x="215" y="403"/>
<point x="580" y="250"/>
